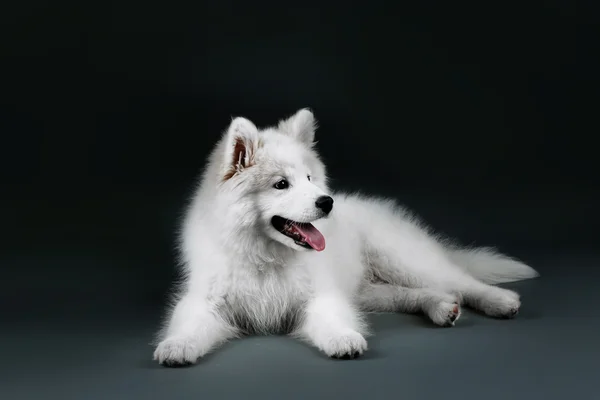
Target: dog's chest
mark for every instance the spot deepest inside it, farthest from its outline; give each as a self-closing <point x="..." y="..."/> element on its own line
<point x="268" y="301"/>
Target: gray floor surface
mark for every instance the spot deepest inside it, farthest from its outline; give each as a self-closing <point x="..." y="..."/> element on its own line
<point x="99" y="350"/>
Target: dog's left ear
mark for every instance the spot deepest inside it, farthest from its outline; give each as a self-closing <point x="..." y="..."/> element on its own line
<point x="301" y="126"/>
<point x="240" y="147"/>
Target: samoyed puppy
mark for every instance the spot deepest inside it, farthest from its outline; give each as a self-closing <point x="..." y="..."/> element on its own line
<point x="267" y="248"/>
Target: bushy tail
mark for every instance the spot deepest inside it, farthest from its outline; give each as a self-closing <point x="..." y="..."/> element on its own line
<point x="489" y="266"/>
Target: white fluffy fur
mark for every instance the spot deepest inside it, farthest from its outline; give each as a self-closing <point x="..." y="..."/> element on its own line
<point x="241" y="276"/>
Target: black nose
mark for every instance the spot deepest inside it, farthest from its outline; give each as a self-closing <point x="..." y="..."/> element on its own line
<point x="325" y="203"/>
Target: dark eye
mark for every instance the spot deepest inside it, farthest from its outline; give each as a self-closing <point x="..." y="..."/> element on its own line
<point x="282" y="184"/>
<point x="308" y="176"/>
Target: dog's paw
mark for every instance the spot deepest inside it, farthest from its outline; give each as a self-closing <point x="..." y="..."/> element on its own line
<point x="347" y="345"/>
<point x="176" y="352"/>
<point x="501" y="303"/>
<point x="445" y="312"/>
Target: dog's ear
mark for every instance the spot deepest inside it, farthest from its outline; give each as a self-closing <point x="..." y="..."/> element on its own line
<point x="240" y="147"/>
<point x="301" y="126"/>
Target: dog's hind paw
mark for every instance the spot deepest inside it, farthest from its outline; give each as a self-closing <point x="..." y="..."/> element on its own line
<point x="501" y="303"/>
<point x="445" y="313"/>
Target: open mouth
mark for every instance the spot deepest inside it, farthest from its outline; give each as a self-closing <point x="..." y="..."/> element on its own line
<point x="303" y="233"/>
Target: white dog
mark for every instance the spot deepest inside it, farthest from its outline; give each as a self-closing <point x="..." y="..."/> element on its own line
<point x="265" y="249"/>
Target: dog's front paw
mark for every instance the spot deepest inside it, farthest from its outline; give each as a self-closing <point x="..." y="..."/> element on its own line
<point x="347" y="345"/>
<point x="176" y="352"/>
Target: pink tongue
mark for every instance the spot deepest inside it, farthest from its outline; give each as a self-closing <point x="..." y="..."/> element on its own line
<point x="311" y="235"/>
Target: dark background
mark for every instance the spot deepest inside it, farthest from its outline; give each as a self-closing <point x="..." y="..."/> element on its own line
<point x="480" y="117"/>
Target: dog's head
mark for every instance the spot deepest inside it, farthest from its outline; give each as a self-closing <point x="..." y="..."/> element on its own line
<point x="278" y="178"/>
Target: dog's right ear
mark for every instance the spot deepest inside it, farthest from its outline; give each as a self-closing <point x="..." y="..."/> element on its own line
<point x="240" y="147"/>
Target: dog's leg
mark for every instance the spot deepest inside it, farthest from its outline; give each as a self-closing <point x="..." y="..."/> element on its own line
<point x="426" y="266"/>
<point x="492" y="300"/>
<point x="194" y="329"/>
<point x="442" y="308"/>
<point x="333" y="326"/>
<point x="401" y="252"/>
